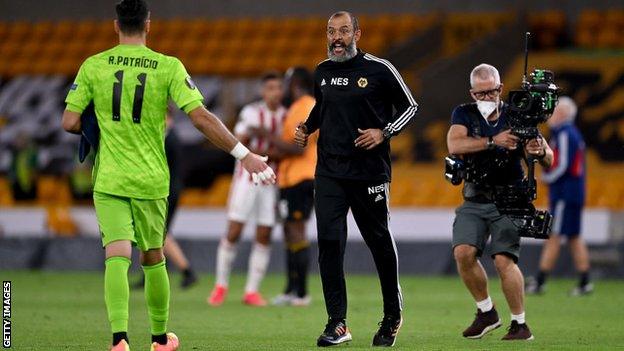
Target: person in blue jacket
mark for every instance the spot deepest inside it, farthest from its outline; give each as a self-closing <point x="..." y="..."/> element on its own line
<point x="566" y="180"/>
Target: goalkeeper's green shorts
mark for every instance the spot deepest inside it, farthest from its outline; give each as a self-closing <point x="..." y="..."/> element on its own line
<point x="123" y="218"/>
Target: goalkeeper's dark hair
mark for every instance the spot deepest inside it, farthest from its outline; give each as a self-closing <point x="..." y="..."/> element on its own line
<point x="131" y="16"/>
<point x="302" y="78"/>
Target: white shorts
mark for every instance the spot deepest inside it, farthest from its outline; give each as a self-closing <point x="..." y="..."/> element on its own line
<point x="248" y="201"/>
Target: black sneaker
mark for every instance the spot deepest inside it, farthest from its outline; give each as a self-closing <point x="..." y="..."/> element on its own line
<point x="583" y="290"/>
<point x="336" y="332"/>
<point x="188" y="280"/>
<point x="518" y="332"/>
<point x="388" y="330"/>
<point x="483" y="323"/>
<point x="531" y="287"/>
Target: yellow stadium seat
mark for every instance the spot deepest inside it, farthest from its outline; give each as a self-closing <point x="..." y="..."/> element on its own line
<point x="224" y="65"/>
<point x="374" y="43"/>
<point x="192" y="197"/>
<point x="99" y="45"/>
<point x="62" y="31"/>
<point x="9" y="49"/>
<point x="608" y="38"/>
<point x="60" y="221"/>
<point x="17" y="67"/>
<point x="585" y="37"/>
<point x="590" y="18"/>
<point x="18" y="31"/>
<point x="52" y="190"/>
<point x="43" y="67"/>
<point x="233" y="47"/>
<point x="6" y="195"/>
<point x="29" y="50"/>
<point x="248" y="66"/>
<point x="176" y="27"/>
<point x="51" y="51"/>
<point x="84" y="30"/>
<point x="195" y="65"/>
<point x="218" y="193"/>
<point x="157" y="28"/>
<point x="41" y="31"/>
<point x="4" y="28"/>
<point x="197" y="28"/>
<point x="165" y="45"/>
<point x="266" y="27"/>
<point x="220" y="28"/>
<point x="256" y="47"/>
<point x="246" y="27"/>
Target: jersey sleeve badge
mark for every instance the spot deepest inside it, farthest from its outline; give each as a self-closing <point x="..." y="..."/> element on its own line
<point x="190" y="83"/>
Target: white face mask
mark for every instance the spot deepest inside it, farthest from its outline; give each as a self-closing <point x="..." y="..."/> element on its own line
<point x="487" y="107"/>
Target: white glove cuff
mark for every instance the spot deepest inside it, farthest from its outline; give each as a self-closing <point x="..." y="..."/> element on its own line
<point x="239" y="151"/>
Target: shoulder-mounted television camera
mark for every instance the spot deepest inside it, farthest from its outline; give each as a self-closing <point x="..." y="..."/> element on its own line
<point x="534" y="103"/>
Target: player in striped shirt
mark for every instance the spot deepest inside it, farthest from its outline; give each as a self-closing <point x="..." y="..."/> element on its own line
<point x="247" y="202"/>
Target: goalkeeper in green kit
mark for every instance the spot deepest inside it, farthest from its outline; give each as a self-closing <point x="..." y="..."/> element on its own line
<point x="130" y="86"/>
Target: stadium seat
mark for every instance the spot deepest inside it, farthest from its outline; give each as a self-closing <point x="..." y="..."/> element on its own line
<point x="548" y="28"/>
<point x="290" y="39"/>
<point x="84" y="30"/>
<point x="192" y="197"/>
<point x="62" y="31"/>
<point x="218" y="193"/>
<point x="60" y="221"/>
<point x="41" y="31"/>
<point x="4" y="28"/>
<point x="52" y="191"/>
<point x="6" y="195"/>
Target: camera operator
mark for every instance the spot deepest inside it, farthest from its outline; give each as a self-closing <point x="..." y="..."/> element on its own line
<point x="479" y="133"/>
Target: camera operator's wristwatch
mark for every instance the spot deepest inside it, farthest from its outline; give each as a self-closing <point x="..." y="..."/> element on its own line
<point x="490" y="143"/>
<point x="386" y="133"/>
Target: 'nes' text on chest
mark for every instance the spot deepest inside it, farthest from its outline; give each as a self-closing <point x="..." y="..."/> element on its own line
<point x="339" y="81"/>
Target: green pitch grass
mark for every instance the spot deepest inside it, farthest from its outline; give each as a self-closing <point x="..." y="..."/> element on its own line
<point x="65" y="311"/>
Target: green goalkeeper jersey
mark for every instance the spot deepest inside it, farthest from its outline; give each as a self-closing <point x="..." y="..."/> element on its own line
<point x="130" y="86"/>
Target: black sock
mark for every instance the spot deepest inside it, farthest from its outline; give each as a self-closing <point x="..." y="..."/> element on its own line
<point x="291" y="274"/>
<point x="161" y="339"/>
<point x="117" y="337"/>
<point x="301" y="259"/>
<point x="541" y="278"/>
<point x="187" y="272"/>
<point x="584" y="279"/>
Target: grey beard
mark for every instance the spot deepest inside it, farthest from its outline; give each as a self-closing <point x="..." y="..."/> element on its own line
<point x="350" y="52"/>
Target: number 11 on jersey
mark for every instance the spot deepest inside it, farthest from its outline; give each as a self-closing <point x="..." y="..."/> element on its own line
<point x="137" y="103"/>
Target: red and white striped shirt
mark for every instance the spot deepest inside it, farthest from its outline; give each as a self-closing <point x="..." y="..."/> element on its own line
<point x="258" y="115"/>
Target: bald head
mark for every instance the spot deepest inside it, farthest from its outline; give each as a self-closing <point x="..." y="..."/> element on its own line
<point x="565" y="111"/>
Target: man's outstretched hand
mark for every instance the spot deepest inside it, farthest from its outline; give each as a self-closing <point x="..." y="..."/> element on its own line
<point x="259" y="170"/>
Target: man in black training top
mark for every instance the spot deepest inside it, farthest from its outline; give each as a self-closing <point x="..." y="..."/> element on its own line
<point x="355" y="95"/>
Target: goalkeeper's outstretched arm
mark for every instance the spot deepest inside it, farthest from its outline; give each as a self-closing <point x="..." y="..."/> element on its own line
<point x="212" y="127"/>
